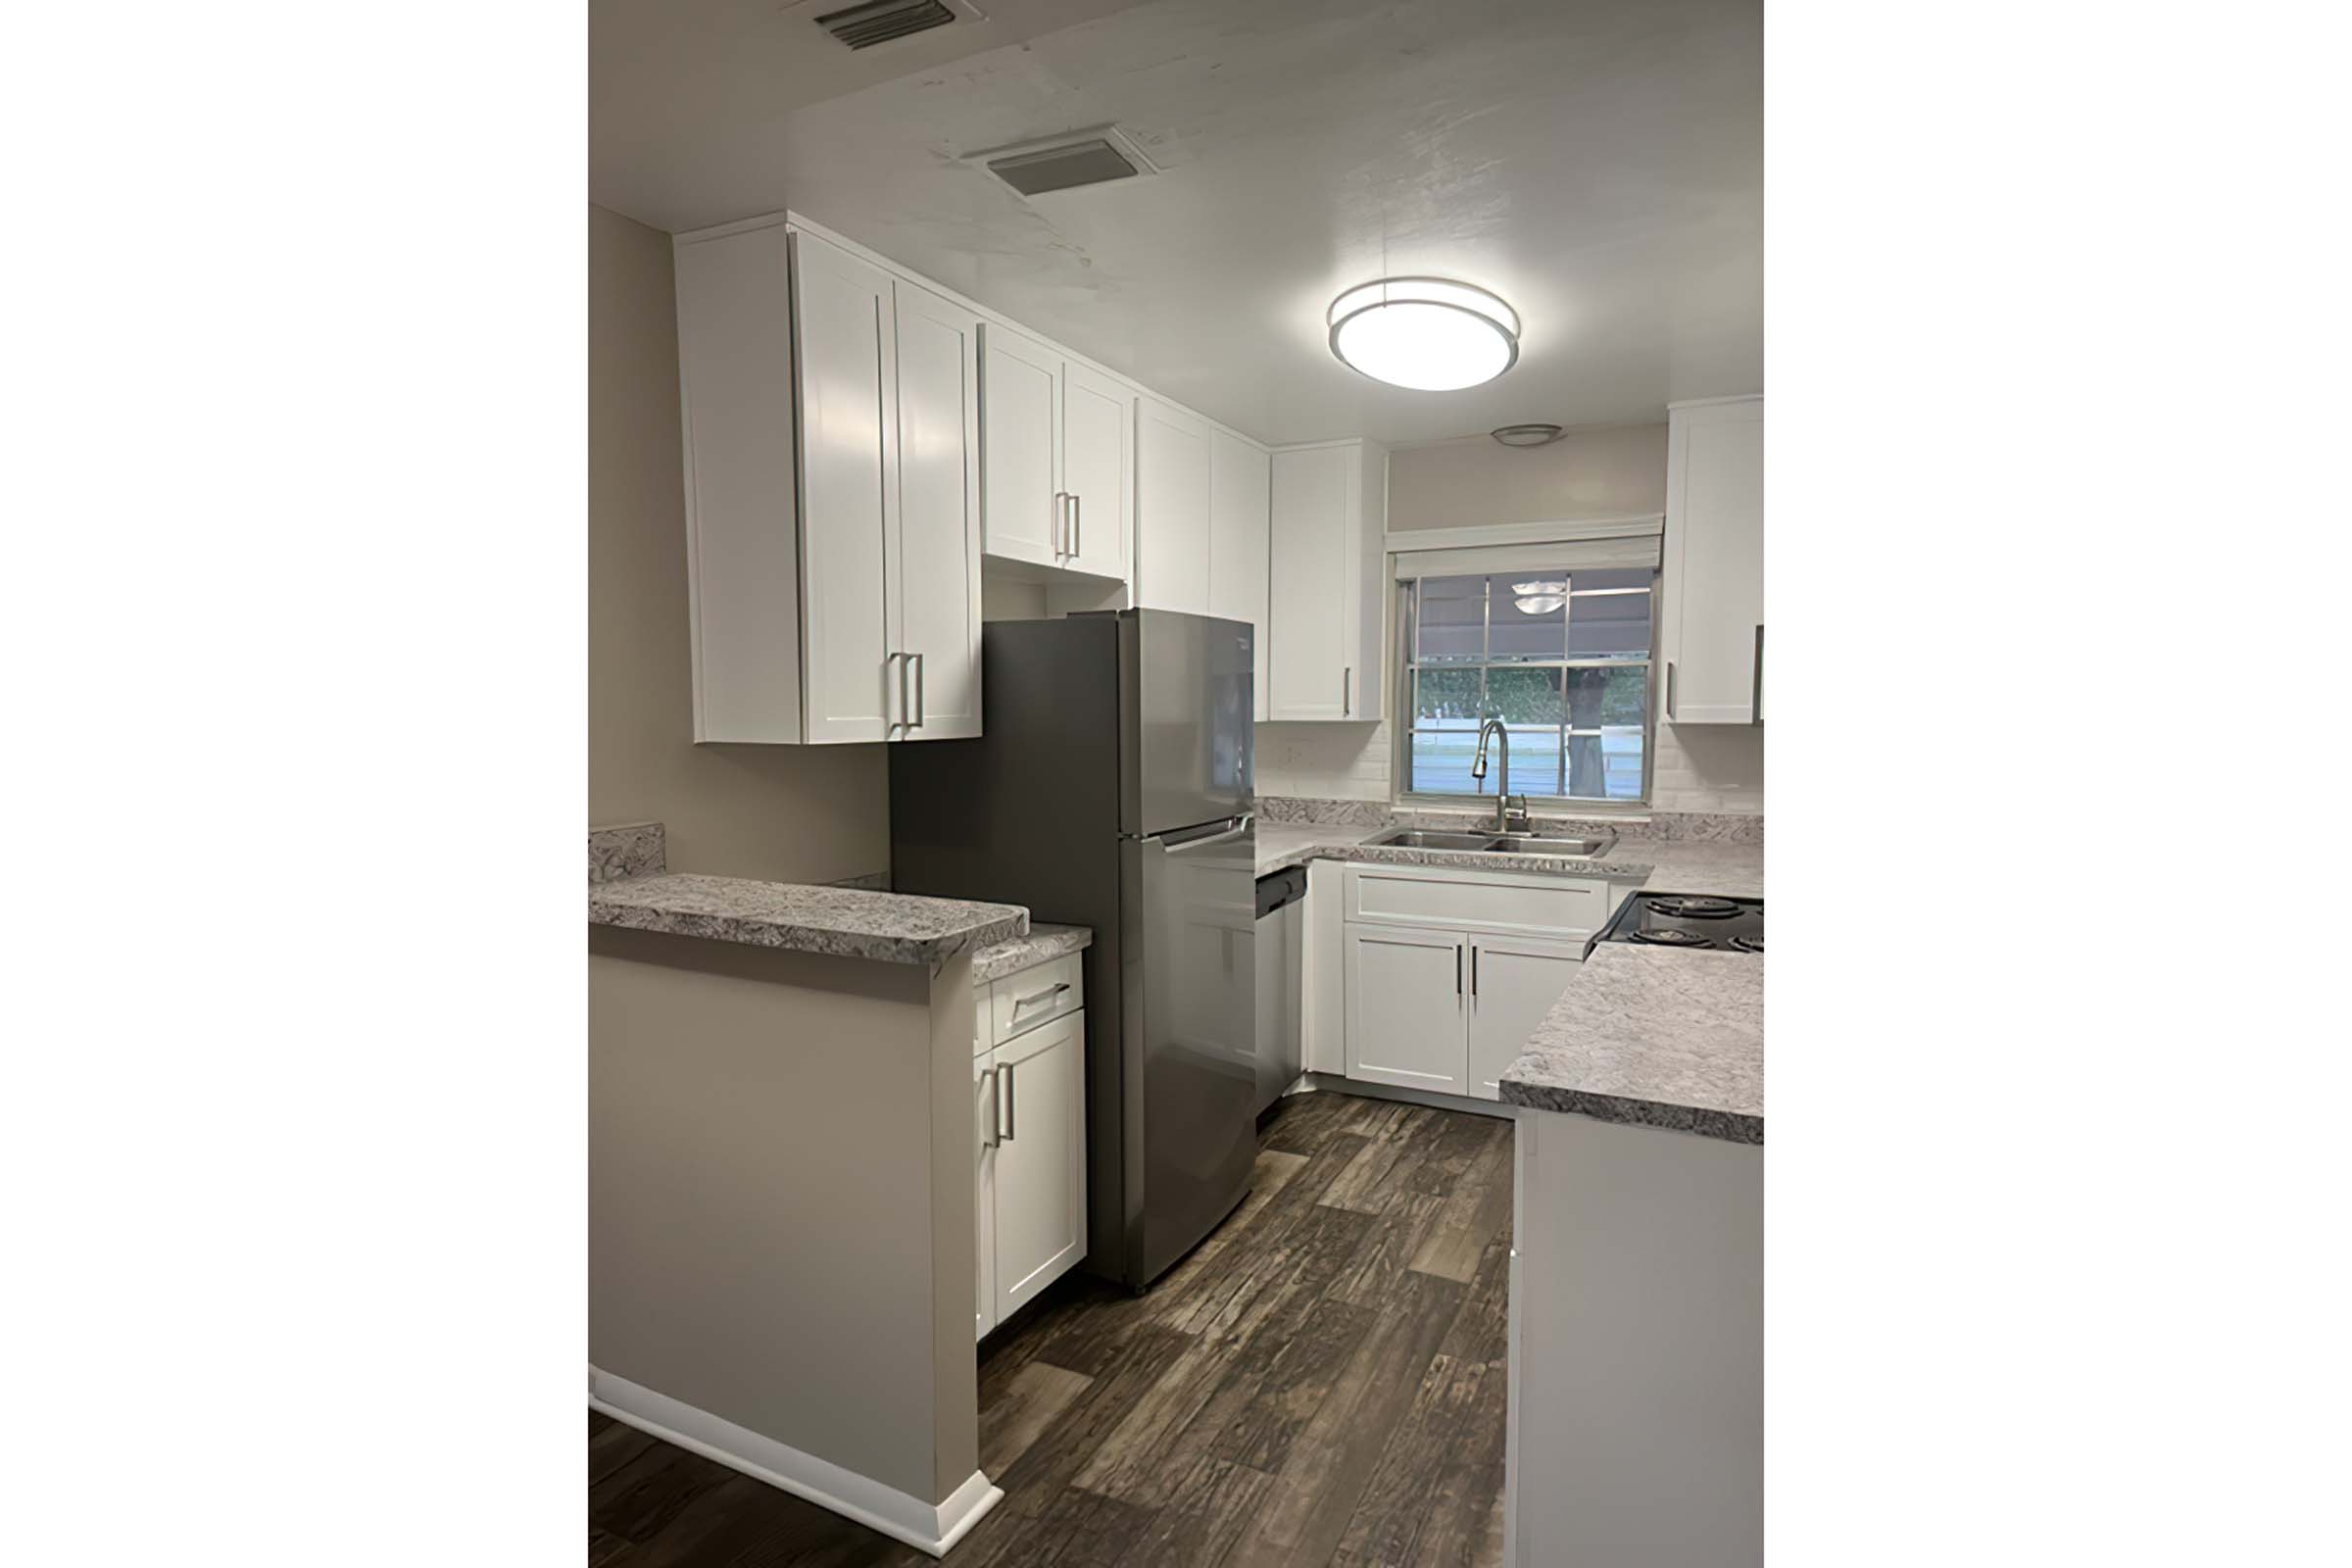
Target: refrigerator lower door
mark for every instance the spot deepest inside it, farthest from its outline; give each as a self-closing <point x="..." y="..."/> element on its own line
<point x="1190" y="1026"/>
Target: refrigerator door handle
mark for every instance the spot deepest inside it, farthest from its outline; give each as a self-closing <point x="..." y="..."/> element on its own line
<point x="1232" y="827"/>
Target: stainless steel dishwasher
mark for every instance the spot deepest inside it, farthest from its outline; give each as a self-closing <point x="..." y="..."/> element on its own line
<point x="1281" y="946"/>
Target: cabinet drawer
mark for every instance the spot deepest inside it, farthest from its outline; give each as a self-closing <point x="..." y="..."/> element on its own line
<point x="1562" y="909"/>
<point x="1023" y="1000"/>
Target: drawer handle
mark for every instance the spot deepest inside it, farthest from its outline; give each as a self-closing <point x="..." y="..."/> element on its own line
<point x="1047" y="995"/>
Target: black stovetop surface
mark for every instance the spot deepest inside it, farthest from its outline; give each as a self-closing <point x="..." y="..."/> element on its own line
<point x="1688" y="921"/>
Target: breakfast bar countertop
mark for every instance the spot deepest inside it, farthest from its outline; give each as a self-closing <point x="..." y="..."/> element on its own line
<point x="846" y="922"/>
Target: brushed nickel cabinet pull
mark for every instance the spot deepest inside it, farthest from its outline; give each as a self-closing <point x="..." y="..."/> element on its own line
<point x="1047" y="995"/>
<point x="1755" y="702"/>
<point x="1670" y="688"/>
<point x="1009" y="1109"/>
<point x="916" y="660"/>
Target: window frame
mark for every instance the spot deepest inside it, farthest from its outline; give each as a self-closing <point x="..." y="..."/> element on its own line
<point x="1407" y="668"/>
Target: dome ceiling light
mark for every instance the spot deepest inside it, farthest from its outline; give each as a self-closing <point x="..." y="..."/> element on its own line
<point x="1526" y="435"/>
<point x="1425" y="334"/>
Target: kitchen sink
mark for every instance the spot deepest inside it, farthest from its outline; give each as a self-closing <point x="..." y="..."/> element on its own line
<point x="1416" y="839"/>
<point x="1580" y="848"/>
<point x="1574" y="849"/>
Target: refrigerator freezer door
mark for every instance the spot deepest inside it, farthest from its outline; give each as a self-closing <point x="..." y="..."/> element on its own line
<point x="1191" y="1025"/>
<point x="1188" y="718"/>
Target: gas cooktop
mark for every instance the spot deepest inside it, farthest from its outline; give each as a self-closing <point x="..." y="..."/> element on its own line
<point x="1682" y="920"/>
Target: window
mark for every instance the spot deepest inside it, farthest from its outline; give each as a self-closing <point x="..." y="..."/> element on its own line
<point x="1562" y="656"/>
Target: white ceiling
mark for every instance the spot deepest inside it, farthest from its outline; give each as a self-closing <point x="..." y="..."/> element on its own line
<point x="1599" y="165"/>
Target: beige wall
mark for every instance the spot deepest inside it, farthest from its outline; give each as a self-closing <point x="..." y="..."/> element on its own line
<point x="796" y="814"/>
<point x="1474" y="480"/>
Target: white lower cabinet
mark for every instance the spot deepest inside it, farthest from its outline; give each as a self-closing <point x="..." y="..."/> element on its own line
<point x="1040" y="1186"/>
<point x="1447" y="1005"/>
<point x="1029" y="1142"/>
<point x="984" y="1139"/>
<point x="1514" y="983"/>
<point x="1406" y="1006"/>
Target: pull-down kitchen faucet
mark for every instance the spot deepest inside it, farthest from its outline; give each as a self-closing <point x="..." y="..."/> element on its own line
<point x="1506" y="818"/>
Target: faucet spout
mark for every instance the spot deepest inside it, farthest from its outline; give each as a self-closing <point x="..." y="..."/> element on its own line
<point x="1493" y="727"/>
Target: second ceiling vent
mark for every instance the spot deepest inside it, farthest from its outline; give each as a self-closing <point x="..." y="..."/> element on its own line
<point x="1093" y="157"/>
<point x="880" y="21"/>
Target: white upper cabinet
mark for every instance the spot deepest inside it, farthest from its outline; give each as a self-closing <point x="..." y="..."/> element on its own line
<point x="1711" y="624"/>
<point x="1060" y="464"/>
<point x="847" y="454"/>
<point x="824" y="607"/>
<point x="1098" y="470"/>
<point x="1023" y="515"/>
<point x="935" y="580"/>
<point x="1325" y="600"/>
<point x="1172" y="505"/>
<point x="1240" y="496"/>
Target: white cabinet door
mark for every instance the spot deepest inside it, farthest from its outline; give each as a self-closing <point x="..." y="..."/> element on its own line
<point x="1407" y="998"/>
<point x="1310" y="572"/>
<point x="849" y="462"/>
<point x="742" y="546"/>
<point x="1512" y="985"/>
<point x="1713" y="637"/>
<point x="1172" y="498"/>
<point x="1020" y="427"/>
<point x="935" y="577"/>
<point x="1041" y="1159"/>
<point x="1098" y="470"/>
<point x="1240" y="499"/>
<point x="984" y="1192"/>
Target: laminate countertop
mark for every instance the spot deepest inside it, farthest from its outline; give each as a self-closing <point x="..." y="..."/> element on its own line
<point x="1042" y="945"/>
<point x="1658" y="865"/>
<point x="805" y="918"/>
<point x="1654" y="1036"/>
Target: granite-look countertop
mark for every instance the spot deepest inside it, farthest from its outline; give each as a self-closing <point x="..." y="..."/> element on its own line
<point x="1287" y="844"/>
<point x="1653" y="1037"/>
<point x="1659" y="865"/>
<point x="1699" y="866"/>
<point x="847" y="922"/>
<point x="1043" y="943"/>
<point x="1299" y="843"/>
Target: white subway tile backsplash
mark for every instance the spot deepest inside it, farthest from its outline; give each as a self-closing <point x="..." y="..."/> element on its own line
<point x="1717" y="768"/>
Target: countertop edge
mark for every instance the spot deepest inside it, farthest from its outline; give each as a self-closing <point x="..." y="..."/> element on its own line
<point x="1728" y="1126"/>
<point x="791" y="936"/>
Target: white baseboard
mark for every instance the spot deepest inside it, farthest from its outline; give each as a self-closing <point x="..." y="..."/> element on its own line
<point x="926" y="1526"/>
<point x="1334" y="1083"/>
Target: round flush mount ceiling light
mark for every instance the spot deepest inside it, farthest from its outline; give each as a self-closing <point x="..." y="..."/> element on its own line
<point x="1526" y="435"/>
<point x="1426" y="333"/>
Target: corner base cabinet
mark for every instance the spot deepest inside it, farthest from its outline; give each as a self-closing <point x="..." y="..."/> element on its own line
<point x="1028" y="1134"/>
<point x="832" y="471"/>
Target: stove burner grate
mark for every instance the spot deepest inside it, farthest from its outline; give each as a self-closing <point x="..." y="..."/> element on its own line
<point x="1668" y="937"/>
<point x="1695" y="909"/>
<point x="1749" y="944"/>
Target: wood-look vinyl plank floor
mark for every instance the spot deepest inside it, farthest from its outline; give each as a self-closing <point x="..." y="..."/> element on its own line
<point x="1320" y="1383"/>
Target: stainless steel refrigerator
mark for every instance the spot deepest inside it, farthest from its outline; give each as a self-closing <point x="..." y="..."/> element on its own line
<point x="1111" y="788"/>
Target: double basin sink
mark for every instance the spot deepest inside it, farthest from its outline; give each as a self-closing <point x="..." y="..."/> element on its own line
<point x="1571" y="849"/>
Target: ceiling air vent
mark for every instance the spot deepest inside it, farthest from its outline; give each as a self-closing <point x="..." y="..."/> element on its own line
<point x="880" y="21"/>
<point x="1082" y="158"/>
